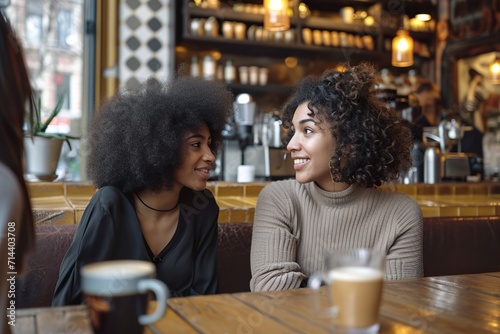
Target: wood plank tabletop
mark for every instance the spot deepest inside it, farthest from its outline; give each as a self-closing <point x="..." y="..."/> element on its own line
<point x="448" y="304"/>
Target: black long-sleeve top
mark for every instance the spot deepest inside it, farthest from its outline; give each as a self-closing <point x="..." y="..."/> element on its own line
<point x="110" y="230"/>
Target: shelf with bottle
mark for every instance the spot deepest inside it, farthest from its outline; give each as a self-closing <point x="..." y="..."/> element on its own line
<point x="355" y="36"/>
<point x="229" y="29"/>
<point x="242" y="74"/>
<point x="280" y="50"/>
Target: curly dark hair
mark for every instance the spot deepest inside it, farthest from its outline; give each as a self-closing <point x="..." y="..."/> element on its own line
<point x="372" y="143"/>
<point x="136" y="136"/>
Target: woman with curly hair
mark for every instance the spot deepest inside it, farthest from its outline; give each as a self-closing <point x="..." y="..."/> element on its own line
<point x="344" y="143"/>
<point x="150" y="156"/>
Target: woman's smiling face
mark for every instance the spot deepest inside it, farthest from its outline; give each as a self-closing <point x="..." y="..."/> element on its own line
<point x="311" y="147"/>
<point x="197" y="160"/>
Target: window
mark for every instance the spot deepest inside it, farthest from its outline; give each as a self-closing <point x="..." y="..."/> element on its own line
<point x="33" y="22"/>
<point x="63" y="89"/>
<point x="52" y="33"/>
<point x="64" y="28"/>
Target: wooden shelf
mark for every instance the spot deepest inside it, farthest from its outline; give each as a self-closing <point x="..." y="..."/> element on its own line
<point x="237" y="88"/>
<point x="282" y="50"/>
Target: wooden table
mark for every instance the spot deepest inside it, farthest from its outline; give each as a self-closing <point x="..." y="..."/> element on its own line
<point x="449" y="304"/>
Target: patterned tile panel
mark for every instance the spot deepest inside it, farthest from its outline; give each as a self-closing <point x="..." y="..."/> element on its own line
<point x="146" y="41"/>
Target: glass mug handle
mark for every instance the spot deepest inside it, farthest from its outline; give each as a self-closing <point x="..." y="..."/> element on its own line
<point x="315" y="281"/>
<point x="161" y="292"/>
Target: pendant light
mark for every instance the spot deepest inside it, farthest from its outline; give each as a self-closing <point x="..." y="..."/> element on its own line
<point x="276" y="15"/>
<point x="494" y="71"/>
<point x="402" y="49"/>
<point x="402" y="46"/>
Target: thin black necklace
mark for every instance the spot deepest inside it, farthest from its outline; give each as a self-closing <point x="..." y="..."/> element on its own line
<point x="147" y="206"/>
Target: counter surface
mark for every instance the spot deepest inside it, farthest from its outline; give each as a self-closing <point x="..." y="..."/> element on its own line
<point x="64" y="203"/>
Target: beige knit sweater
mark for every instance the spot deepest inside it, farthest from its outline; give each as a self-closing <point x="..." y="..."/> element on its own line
<point x="296" y="224"/>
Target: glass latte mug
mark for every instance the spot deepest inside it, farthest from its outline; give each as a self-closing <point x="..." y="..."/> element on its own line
<point x="116" y="293"/>
<point x="354" y="279"/>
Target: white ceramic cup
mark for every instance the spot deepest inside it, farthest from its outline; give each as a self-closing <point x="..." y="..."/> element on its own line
<point x="243" y="73"/>
<point x="246" y="173"/>
<point x="253" y="74"/>
<point x="116" y="293"/>
<point x="228" y="29"/>
<point x="354" y="279"/>
<point x="263" y="75"/>
<point x="240" y="30"/>
<point x="347" y="14"/>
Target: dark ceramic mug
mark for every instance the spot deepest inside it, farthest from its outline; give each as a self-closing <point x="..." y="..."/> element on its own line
<point x="116" y="293"/>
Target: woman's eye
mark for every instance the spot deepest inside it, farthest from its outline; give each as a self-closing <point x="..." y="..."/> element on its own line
<point x="197" y="144"/>
<point x="308" y="130"/>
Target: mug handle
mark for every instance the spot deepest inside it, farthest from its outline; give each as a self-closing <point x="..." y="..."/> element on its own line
<point x="161" y="292"/>
<point x="315" y="282"/>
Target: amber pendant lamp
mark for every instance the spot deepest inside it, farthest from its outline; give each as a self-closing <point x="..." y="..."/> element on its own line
<point x="402" y="46"/>
<point x="276" y="15"/>
<point x="494" y="71"/>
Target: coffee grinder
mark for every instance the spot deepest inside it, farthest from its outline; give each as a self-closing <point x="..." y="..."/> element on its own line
<point x="238" y="135"/>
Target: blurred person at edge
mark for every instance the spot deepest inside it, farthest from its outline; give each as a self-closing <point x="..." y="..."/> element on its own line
<point x="344" y="143"/>
<point x="430" y="102"/>
<point x="150" y="156"/>
<point x="474" y="114"/>
<point x="16" y="221"/>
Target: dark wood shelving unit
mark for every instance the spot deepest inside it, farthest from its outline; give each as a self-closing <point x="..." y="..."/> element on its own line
<point x="324" y="17"/>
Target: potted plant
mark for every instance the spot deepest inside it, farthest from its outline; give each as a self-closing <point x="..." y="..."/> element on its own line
<point x="43" y="149"/>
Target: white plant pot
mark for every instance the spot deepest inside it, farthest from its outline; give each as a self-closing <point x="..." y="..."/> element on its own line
<point x="42" y="156"/>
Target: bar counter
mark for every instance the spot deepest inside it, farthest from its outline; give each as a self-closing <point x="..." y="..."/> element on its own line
<point x="64" y="202"/>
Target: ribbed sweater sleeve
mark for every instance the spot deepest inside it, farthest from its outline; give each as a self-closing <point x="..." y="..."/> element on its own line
<point x="274" y="244"/>
<point x="296" y="225"/>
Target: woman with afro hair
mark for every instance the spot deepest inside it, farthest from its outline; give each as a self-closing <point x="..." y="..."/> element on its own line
<point x="150" y="156"/>
<point x="344" y="144"/>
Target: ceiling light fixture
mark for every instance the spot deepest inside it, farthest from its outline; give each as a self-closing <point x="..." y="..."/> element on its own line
<point x="402" y="47"/>
<point x="423" y="17"/>
<point x="276" y="15"/>
<point x="494" y="71"/>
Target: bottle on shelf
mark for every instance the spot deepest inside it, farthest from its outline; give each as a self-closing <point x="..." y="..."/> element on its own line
<point x="195" y="67"/>
<point x="229" y="72"/>
<point x="209" y="68"/>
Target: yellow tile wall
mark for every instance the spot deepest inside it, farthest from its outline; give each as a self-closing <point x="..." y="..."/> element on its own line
<point x="64" y="203"/>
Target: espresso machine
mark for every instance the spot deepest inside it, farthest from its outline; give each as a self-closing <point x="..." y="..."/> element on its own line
<point x="254" y="138"/>
<point x="454" y="166"/>
<point x="271" y="159"/>
<point x="237" y="135"/>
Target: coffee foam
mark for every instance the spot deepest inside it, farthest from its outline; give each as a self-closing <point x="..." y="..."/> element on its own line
<point x="120" y="268"/>
<point x="358" y="274"/>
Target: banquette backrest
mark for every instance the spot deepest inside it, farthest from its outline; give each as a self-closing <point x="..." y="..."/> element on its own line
<point x="452" y="246"/>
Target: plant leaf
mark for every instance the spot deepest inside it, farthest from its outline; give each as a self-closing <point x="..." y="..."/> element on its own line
<point x="37" y="105"/>
<point x="53" y="114"/>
